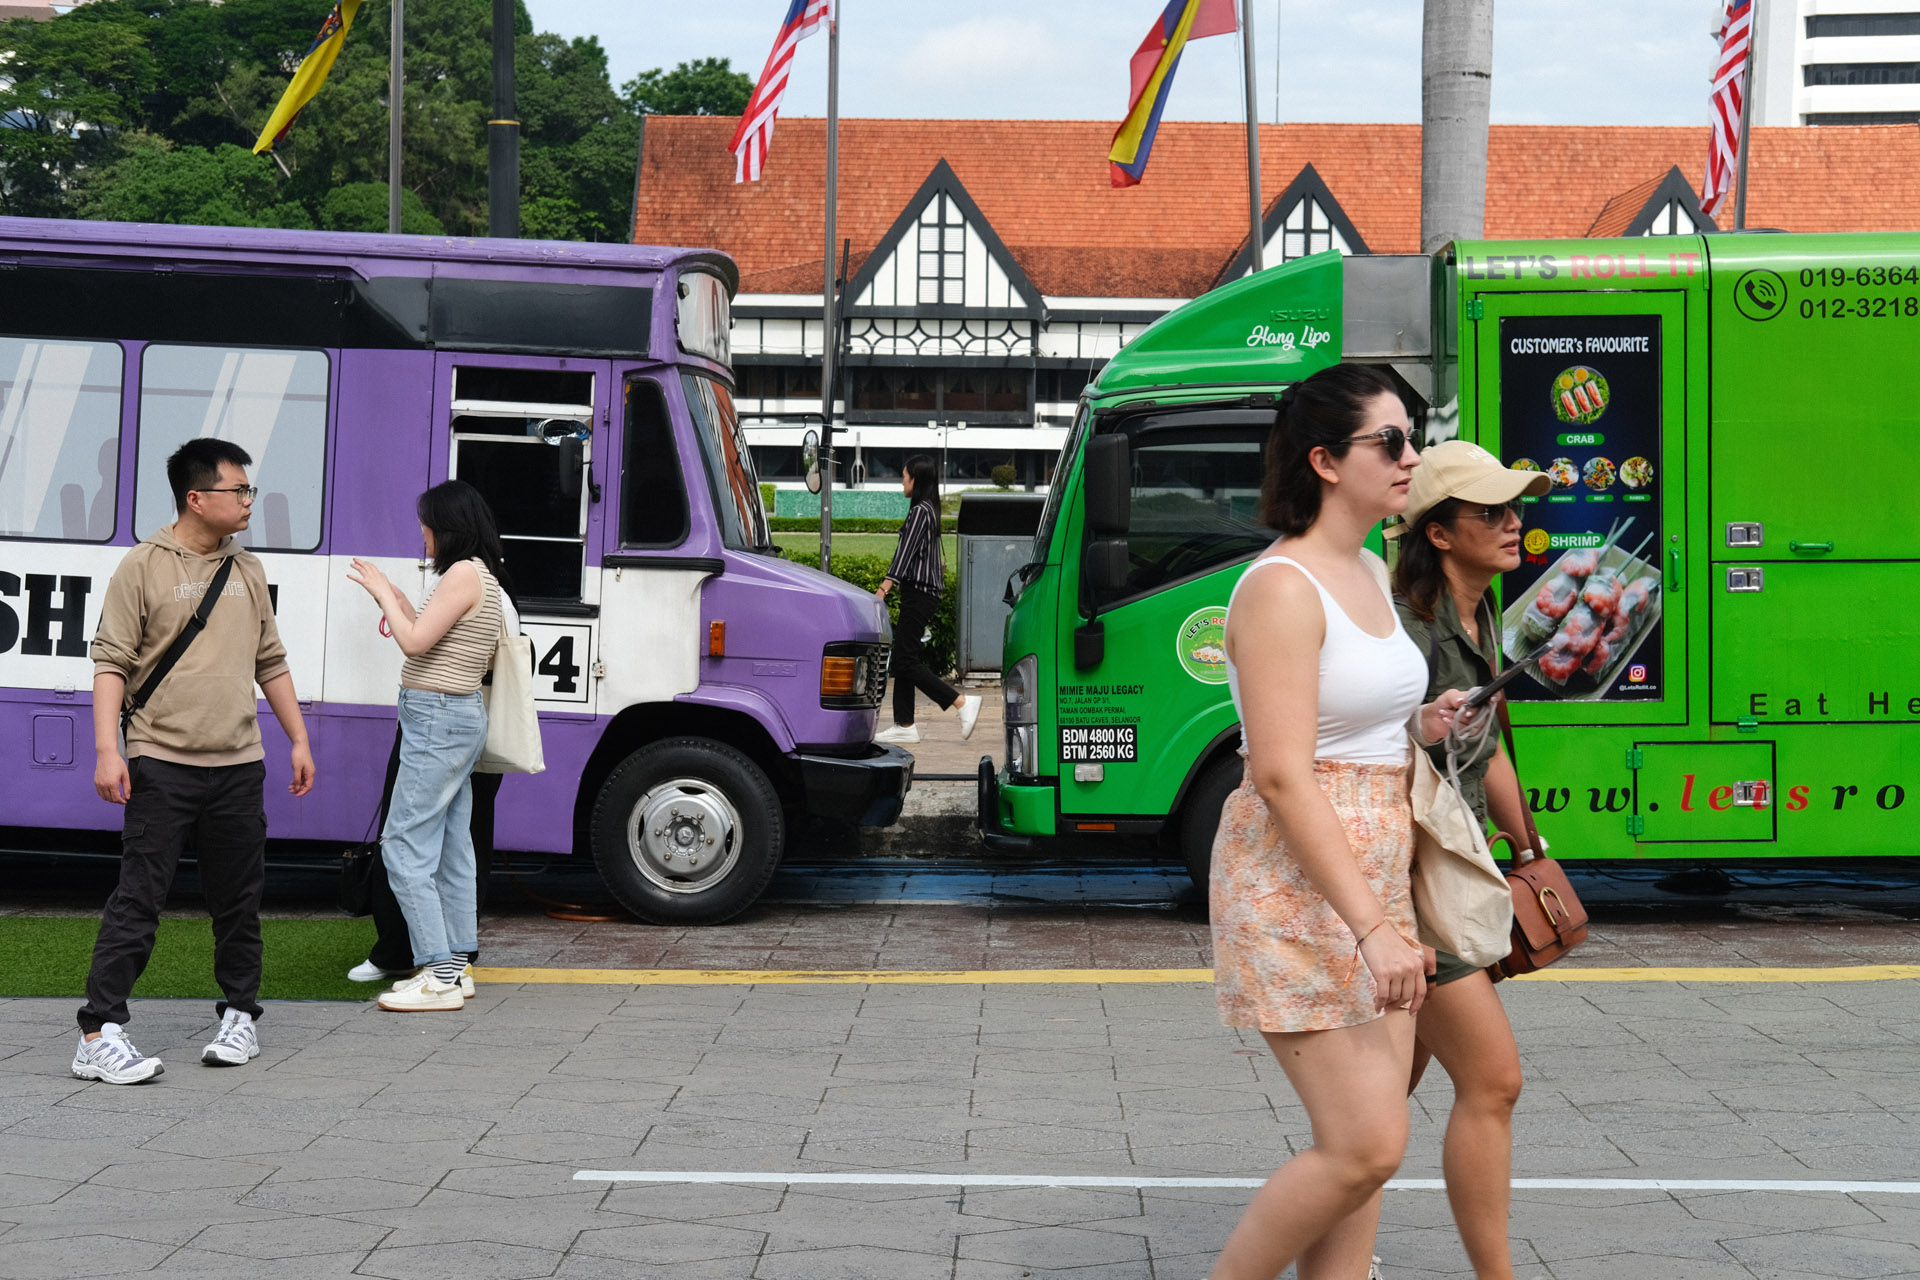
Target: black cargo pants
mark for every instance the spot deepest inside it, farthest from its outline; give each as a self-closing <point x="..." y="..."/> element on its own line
<point x="221" y="812"/>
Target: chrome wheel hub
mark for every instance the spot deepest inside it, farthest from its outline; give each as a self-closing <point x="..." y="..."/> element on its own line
<point x="684" y="835"/>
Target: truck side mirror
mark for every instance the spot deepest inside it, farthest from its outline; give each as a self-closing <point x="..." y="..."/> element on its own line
<point x="1109" y="481"/>
<point x="1105" y="565"/>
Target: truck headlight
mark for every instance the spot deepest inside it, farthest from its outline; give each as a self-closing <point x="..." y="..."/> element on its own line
<point x="1022" y="715"/>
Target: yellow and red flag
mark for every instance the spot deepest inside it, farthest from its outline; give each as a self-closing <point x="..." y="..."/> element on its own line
<point x="1152" y="68"/>
<point x="311" y="74"/>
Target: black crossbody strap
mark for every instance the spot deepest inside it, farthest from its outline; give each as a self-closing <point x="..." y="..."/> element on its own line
<point x="178" y="649"/>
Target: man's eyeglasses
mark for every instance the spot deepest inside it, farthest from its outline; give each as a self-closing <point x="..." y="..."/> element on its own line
<point x="1392" y="439"/>
<point x="1493" y="515"/>
<point x="244" y="492"/>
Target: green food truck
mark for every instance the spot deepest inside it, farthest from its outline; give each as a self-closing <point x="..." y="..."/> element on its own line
<point x="1723" y="421"/>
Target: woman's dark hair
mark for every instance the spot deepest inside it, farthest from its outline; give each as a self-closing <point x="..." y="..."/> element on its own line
<point x="1418" y="575"/>
<point x="926" y="479"/>
<point x="1318" y="412"/>
<point x="463" y="527"/>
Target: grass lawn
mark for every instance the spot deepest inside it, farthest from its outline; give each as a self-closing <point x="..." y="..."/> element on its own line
<point x="305" y="959"/>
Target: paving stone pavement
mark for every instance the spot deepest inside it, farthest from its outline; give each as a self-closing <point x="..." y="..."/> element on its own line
<point x="417" y="1147"/>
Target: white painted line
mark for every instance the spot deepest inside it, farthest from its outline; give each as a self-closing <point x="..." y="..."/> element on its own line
<point x="1074" y="1180"/>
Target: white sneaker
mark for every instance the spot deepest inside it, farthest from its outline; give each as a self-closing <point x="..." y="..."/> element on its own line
<point x="1373" y="1272"/>
<point x="113" y="1059"/>
<point x="421" y="994"/>
<point x="969" y="715"/>
<point x="466" y="983"/>
<point x="235" y="1044"/>
<point x="899" y="733"/>
<point x="368" y="971"/>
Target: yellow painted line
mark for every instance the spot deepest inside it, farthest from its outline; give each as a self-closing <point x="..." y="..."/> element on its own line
<point x="977" y="977"/>
<point x="876" y="977"/>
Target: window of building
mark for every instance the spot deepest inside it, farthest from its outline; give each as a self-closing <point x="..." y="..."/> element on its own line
<point x="1852" y="73"/>
<point x="1672" y="220"/>
<point x="779" y="461"/>
<point x="941" y="238"/>
<point x="59" y="438"/>
<point x="1307" y="230"/>
<point x="1862" y="117"/>
<point x="1822" y="26"/>
<point x="777" y="382"/>
<point x="272" y="403"/>
<point x="653" y="498"/>
<point x="942" y="392"/>
<point x="1060" y="386"/>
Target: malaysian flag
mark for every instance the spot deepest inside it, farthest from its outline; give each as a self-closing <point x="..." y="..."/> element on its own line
<point x="755" y="134"/>
<point x="1724" y="104"/>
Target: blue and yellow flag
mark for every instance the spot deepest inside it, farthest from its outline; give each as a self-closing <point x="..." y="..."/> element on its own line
<point x="311" y="74"/>
<point x="1152" y="69"/>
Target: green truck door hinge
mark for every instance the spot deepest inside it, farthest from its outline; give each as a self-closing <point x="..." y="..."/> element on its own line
<point x="1636" y="825"/>
<point x="1476" y="309"/>
<point x="1634" y="759"/>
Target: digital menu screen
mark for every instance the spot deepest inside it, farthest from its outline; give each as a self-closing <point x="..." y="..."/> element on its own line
<point x="1580" y="400"/>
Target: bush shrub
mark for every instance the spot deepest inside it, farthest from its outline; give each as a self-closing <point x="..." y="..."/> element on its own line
<point x="866" y="572"/>
<point x="848" y="524"/>
<point x="766" y="498"/>
<point x="1004" y="475"/>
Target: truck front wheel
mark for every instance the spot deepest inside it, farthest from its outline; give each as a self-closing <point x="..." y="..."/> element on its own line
<point x="1200" y="816"/>
<point x="687" y="831"/>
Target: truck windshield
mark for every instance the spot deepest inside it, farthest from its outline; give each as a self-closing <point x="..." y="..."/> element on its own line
<point x="729" y="466"/>
<point x="1057" y="491"/>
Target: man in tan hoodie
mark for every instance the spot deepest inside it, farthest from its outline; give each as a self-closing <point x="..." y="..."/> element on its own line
<point x="195" y="770"/>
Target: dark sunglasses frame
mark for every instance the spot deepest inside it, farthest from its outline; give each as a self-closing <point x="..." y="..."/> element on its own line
<point x="1392" y="439"/>
<point x="1494" y="514"/>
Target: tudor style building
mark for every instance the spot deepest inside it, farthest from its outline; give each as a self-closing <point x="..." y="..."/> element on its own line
<point x="991" y="270"/>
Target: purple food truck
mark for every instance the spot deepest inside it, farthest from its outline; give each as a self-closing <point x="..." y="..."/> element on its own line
<point x="698" y="694"/>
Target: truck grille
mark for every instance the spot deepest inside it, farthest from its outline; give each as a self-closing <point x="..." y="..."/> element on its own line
<point x="877" y="670"/>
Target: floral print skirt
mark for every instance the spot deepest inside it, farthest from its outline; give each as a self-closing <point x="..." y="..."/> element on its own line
<point x="1283" y="960"/>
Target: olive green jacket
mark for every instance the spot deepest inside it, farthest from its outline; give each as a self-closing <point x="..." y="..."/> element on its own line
<point x="1455" y="662"/>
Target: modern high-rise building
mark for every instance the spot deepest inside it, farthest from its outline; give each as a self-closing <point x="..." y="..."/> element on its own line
<point x="1836" y="62"/>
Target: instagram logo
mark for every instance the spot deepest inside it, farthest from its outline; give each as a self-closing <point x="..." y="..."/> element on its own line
<point x="1637" y="673"/>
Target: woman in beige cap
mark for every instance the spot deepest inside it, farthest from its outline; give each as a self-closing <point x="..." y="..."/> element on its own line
<point x="1463" y="528"/>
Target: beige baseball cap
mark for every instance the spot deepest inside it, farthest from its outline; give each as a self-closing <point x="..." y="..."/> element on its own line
<point x="1462" y="469"/>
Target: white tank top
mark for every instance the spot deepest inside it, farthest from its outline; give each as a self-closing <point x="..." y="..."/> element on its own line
<point x="1369" y="685"/>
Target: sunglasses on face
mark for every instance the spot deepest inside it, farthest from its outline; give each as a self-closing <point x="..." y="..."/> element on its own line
<point x="1392" y="439"/>
<point x="1493" y="515"/>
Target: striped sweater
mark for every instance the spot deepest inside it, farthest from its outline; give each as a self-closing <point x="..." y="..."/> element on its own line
<point x="917" y="560"/>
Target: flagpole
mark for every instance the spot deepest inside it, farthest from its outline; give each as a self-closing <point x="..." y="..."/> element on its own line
<point x="1254" y="238"/>
<point x="394" y="59"/>
<point x="829" y="328"/>
<point x="1746" y="114"/>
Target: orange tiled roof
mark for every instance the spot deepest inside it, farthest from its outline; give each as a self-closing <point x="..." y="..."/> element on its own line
<point x="1043" y="185"/>
<point x="1618" y="213"/>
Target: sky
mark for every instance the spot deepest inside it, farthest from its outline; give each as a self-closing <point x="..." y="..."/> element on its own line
<point x="1350" y="61"/>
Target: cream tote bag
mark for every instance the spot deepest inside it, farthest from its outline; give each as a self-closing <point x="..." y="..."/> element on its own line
<point x="1460" y="896"/>
<point x="513" y="727"/>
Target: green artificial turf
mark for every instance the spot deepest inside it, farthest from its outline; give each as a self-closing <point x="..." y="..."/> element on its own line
<point x="305" y="959"/>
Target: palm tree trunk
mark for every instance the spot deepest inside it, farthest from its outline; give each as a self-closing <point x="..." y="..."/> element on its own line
<point x="1456" y="85"/>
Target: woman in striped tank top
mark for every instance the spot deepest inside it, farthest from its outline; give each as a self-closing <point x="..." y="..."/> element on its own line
<point x="449" y="644"/>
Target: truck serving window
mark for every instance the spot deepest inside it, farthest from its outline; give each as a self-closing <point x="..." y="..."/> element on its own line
<point x="1196" y="502"/>
<point x="723" y="447"/>
<point x="270" y="402"/>
<point x="59" y="438"/>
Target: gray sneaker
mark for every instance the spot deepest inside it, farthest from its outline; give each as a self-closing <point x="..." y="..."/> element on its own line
<point x="234" y="1044"/>
<point x="113" y="1059"/>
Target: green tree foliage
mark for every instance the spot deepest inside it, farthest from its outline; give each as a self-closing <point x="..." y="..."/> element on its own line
<point x="703" y="87"/>
<point x="165" y="99"/>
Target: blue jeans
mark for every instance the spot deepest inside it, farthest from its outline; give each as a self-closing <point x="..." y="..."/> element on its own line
<point x="425" y="845"/>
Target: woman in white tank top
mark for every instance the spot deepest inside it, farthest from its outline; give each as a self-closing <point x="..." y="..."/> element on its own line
<point x="1312" y="909"/>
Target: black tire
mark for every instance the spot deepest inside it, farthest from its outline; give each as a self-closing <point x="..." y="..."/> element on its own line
<point x="1200" y="816"/>
<point x="710" y="806"/>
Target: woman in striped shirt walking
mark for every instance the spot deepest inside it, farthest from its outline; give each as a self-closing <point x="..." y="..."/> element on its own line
<point x="919" y="573"/>
<point x="449" y="645"/>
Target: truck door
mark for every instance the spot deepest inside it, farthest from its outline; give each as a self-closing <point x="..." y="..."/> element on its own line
<point x="1131" y="726"/>
<point x="1591" y="388"/>
<point x="523" y="432"/>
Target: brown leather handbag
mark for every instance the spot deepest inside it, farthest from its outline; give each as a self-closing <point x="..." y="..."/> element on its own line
<point x="1548" y="918"/>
